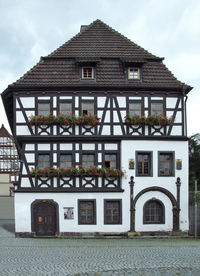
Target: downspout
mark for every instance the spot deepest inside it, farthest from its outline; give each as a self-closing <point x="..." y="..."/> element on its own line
<point x="186" y="116"/>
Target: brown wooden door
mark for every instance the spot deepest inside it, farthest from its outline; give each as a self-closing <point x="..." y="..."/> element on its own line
<point x="45" y="219"/>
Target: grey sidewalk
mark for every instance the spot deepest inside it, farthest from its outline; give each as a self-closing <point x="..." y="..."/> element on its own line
<point x="92" y="257"/>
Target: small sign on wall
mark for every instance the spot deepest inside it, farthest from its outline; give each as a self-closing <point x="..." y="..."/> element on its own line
<point x="68" y="212"/>
<point x="131" y="164"/>
<point x="178" y="164"/>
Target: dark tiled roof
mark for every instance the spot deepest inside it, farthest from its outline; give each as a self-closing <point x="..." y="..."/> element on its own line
<point x="110" y="51"/>
<point x="4" y="132"/>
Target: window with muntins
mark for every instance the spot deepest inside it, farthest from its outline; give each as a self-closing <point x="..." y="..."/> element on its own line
<point x="65" y="108"/>
<point x="153" y="212"/>
<point x="43" y="108"/>
<point x="166" y="164"/>
<point x="135" y="109"/>
<point x="157" y="108"/>
<point x="111" y="161"/>
<point x="87" y="73"/>
<point x="43" y="161"/>
<point x="143" y="163"/>
<point x="112" y="211"/>
<point x="87" y="108"/>
<point x="133" y="73"/>
<point x="87" y="211"/>
<point x="65" y="160"/>
<point x="87" y="160"/>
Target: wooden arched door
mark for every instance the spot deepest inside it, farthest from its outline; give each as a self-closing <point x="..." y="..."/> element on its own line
<point x="45" y="218"/>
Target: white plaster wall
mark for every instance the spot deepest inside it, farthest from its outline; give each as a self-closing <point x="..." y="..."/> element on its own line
<point x="167" y="226"/>
<point x="128" y="149"/>
<point x="28" y="102"/>
<point x="23" y="211"/>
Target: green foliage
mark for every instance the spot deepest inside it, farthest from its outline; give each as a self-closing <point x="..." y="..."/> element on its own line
<point x="149" y="120"/>
<point x="194" y="165"/>
<point x="69" y="120"/>
<point x="76" y="171"/>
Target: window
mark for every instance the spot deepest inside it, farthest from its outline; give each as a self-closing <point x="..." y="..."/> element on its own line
<point x="112" y="212"/>
<point x="166" y="163"/>
<point x="87" y="160"/>
<point x="110" y="161"/>
<point x="133" y="73"/>
<point x="43" y="108"/>
<point x="43" y="161"/>
<point x="143" y="165"/>
<point x="88" y="73"/>
<point x="65" y="160"/>
<point x="65" y="108"/>
<point x="135" y="109"/>
<point x="88" y="108"/>
<point x="157" y="108"/>
<point x="87" y="212"/>
<point x="153" y="212"/>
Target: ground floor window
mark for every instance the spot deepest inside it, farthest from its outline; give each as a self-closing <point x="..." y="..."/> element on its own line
<point x="154" y="212"/>
<point x="87" y="211"/>
<point x="143" y="163"/>
<point x="112" y="212"/>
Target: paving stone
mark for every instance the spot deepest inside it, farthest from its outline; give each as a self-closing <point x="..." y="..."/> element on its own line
<point x="96" y="257"/>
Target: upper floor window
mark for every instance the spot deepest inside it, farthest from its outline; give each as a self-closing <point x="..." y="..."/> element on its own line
<point x="110" y="161"/>
<point x="87" y="73"/>
<point x="43" y="161"/>
<point x="157" y="108"/>
<point x="135" y="109"/>
<point x="166" y="163"/>
<point x="65" y="160"/>
<point x="87" y="108"/>
<point x="87" y="160"/>
<point x="144" y="161"/>
<point x="65" y="108"/>
<point x="134" y="73"/>
<point x="43" y="108"/>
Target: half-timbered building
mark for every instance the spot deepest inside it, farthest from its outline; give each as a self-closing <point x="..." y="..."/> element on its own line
<point x="100" y="125"/>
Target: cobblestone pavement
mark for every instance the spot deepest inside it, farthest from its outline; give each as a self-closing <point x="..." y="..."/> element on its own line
<point x="96" y="257"/>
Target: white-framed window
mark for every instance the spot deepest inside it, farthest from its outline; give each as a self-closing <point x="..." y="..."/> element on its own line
<point x="65" y="108"/>
<point x="87" y="73"/>
<point x="134" y="73"/>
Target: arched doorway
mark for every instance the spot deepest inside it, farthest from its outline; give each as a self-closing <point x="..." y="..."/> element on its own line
<point x="44" y="217"/>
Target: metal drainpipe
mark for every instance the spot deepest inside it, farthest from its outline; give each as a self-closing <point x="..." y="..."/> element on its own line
<point x="186" y="116"/>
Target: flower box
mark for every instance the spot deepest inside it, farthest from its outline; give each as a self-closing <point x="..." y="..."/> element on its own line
<point x="61" y="119"/>
<point x="158" y="120"/>
<point x="77" y="171"/>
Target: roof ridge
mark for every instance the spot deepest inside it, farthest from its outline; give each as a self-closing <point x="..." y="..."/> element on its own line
<point x="74" y="37"/>
<point x="87" y="27"/>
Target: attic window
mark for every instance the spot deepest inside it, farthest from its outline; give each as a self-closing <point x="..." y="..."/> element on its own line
<point x="133" y="73"/>
<point x="87" y="73"/>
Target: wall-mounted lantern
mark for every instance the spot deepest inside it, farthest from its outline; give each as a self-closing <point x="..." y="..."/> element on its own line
<point x="179" y="164"/>
<point x="131" y="164"/>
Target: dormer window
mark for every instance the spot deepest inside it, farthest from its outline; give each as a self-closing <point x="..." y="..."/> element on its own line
<point x="134" y="73"/>
<point x="88" y="73"/>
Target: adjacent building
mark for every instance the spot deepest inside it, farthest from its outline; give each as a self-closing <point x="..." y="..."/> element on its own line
<point x="9" y="168"/>
<point x="101" y="128"/>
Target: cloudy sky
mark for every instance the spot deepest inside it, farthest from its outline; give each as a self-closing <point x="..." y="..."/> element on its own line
<point x="171" y="29"/>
